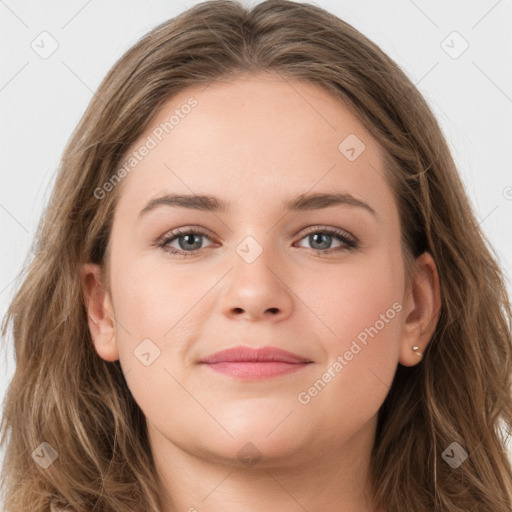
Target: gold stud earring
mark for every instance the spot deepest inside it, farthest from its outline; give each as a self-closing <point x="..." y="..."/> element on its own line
<point x="416" y="348"/>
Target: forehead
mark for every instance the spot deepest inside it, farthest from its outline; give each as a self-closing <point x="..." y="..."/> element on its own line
<point x="251" y="140"/>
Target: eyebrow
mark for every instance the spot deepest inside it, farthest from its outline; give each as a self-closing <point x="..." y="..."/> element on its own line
<point x="209" y="203"/>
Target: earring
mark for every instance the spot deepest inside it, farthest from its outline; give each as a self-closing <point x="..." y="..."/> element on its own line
<point x="416" y="348"/>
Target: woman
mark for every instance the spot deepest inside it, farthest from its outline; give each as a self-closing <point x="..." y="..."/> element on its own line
<point x="259" y="285"/>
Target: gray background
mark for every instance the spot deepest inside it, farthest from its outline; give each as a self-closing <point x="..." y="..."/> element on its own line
<point x="42" y="99"/>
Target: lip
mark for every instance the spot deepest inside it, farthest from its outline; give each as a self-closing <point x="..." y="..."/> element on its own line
<point x="255" y="364"/>
<point x="254" y="355"/>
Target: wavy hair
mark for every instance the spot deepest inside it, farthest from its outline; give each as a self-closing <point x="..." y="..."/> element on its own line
<point x="62" y="393"/>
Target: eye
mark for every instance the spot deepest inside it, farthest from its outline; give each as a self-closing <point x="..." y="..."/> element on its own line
<point x="188" y="240"/>
<point x="320" y="239"/>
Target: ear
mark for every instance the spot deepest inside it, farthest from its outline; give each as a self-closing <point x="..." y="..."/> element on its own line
<point x="422" y="309"/>
<point x="98" y="305"/>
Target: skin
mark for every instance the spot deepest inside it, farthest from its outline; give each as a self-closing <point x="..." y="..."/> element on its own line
<point x="254" y="142"/>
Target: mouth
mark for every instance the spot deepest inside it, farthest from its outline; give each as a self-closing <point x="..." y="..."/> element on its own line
<point x="248" y="363"/>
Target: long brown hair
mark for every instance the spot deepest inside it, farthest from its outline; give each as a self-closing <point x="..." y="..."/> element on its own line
<point x="65" y="395"/>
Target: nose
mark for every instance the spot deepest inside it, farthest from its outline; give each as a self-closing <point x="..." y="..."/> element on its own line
<point x="258" y="290"/>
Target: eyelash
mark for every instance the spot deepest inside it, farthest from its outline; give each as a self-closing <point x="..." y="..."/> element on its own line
<point x="350" y="242"/>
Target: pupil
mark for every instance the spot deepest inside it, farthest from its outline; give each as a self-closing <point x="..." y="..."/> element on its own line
<point x="189" y="240"/>
<point x="323" y="237"/>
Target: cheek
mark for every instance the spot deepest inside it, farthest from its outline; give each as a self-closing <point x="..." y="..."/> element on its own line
<point x="360" y="310"/>
<point x="362" y="307"/>
<point x="159" y="310"/>
<point x="355" y="298"/>
<point x="151" y="297"/>
<point x="151" y="308"/>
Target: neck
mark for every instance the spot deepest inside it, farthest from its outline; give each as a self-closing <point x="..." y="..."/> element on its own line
<point x="332" y="479"/>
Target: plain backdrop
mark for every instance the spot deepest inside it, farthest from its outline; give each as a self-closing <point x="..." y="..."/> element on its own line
<point x="55" y="53"/>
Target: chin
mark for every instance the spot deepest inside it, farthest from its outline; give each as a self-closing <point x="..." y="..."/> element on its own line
<point x="254" y="448"/>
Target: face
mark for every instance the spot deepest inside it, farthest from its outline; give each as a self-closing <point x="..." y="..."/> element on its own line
<point x="322" y="278"/>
